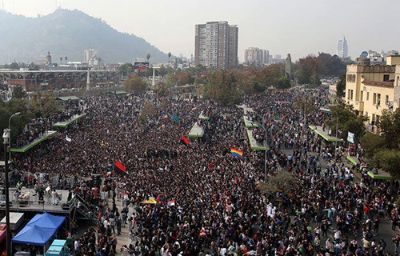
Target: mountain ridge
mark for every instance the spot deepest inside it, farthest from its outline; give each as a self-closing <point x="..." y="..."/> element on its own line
<point x="67" y="33"/>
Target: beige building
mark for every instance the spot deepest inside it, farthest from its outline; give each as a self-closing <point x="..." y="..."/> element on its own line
<point x="370" y="89"/>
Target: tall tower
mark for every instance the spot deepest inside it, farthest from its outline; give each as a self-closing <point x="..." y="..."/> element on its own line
<point x="48" y="59"/>
<point x="343" y="49"/>
<point x="288" y="67"/>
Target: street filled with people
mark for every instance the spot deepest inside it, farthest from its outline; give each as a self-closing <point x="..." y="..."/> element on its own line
<point x="197" y="198"/>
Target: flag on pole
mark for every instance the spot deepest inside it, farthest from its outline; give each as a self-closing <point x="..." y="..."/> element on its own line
<point x="120" y="166"/>
<point x="185" y="140"/>
<point x="236" y="152"/>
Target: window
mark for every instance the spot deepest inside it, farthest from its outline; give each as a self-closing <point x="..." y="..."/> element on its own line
<point x="367" y="96"/>
<point x="378" y="99"/>
<point x="374" y="99"/>
<point x="377" y="119"/>
<point x="348" y="94"/>
<point x="387" y="99"/>
<point x="385" y="77"/>
<point x="362" y="94"/>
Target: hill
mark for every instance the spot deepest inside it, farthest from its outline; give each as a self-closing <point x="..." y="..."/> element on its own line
<point x="68" y="33"/>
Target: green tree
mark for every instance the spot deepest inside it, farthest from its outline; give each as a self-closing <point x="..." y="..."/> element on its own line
<point x="388" y="160"/>
<point x="19" y="93"/>
<point x="341" y="87"/>
<point x="135" y="85"/>
<point x="283" y="83"/>
<point x="390" y="126"/>
<point x="346" y="120"/>
<point x="372" y="143"/>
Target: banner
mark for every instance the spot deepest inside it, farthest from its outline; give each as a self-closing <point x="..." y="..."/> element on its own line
<point x="350" y="137"/>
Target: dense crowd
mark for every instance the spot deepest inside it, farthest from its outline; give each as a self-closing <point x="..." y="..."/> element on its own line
<point x="198" y="199"/>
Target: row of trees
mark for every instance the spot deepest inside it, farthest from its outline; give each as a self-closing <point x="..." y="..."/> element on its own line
<point x="310" y="69"/>
<point x="40" y="105"/>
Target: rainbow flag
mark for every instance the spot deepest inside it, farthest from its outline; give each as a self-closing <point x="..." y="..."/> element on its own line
<point x="236" y="152"/>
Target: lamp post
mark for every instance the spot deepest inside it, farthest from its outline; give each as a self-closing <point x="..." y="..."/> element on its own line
<point x="9" y="128"/>
<point x="6" y="142"/>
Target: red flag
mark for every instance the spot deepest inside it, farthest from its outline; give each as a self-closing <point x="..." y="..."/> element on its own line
<point x="120" y="166"/>
<point x="185" y="140"/>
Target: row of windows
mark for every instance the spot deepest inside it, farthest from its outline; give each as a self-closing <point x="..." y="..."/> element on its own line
<point x="352" y="78"/>
<point x="376" y="98"/>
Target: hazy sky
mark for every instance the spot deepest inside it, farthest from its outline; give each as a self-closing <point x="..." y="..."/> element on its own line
<point x="300" y="27"/>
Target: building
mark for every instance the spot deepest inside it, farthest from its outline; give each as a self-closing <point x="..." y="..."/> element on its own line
<point x="343" y="48"/>
<point x="256" y="56"/>
<point x="216" y="45"/>
<point x="39" y="80"/>
<point x="48" y="59"/>
<point x="89" y="55"/>
<point x="371" y="89"/>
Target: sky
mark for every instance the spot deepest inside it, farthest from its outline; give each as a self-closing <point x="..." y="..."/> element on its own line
<point x="299" y="27"/>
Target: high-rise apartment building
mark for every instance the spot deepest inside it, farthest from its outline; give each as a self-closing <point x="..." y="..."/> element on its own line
<point x="343" y="49"/>
<point x="88" y="55"/>
<point x="255" y="56"/>
<point x="216" y="45"/>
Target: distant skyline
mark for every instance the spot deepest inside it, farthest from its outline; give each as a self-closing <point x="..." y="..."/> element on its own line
<point x="299" y="27"/>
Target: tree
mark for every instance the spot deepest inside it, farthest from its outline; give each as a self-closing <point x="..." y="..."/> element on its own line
<point x="44" y="105"/>
<point x="341" y="87"/>
<point x="372" y="143"/>
<point x="19" y="93"/>
<point x="346" y="120"/>
<point x="126" y="69"/>
<point x="135" y="85"/>
<point x="162" y="89"/>
<point x="283" y="83"/>
<point x="282" y="181"/>
<point x="388" y="160"/>
<point x="148" y="111"/>
<point x="222" y="87"/>
<point x="390" y="126"/>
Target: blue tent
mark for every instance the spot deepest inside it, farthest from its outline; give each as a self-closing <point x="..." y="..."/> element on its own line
<point x="47" y="220"/>
<point x="39" y="230"/>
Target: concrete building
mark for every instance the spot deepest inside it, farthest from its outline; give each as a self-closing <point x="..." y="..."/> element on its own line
<point x="371" y="89"/>
<point x="216" y="45"/>
<point x="256" y="56"/>
<point x="89" y="55"/>
<point x="343" y="48"/>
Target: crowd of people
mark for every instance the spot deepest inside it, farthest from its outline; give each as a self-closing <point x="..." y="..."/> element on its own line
<point x="198" y="199"/>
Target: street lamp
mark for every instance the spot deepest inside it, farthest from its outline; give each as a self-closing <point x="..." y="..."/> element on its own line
<point x="6" y="142"/>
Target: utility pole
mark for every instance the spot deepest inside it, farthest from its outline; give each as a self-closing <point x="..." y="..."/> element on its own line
<point x="6" y="142"/>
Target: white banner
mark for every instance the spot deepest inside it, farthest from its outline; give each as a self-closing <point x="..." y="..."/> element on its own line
<point x="350" y="137"/>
